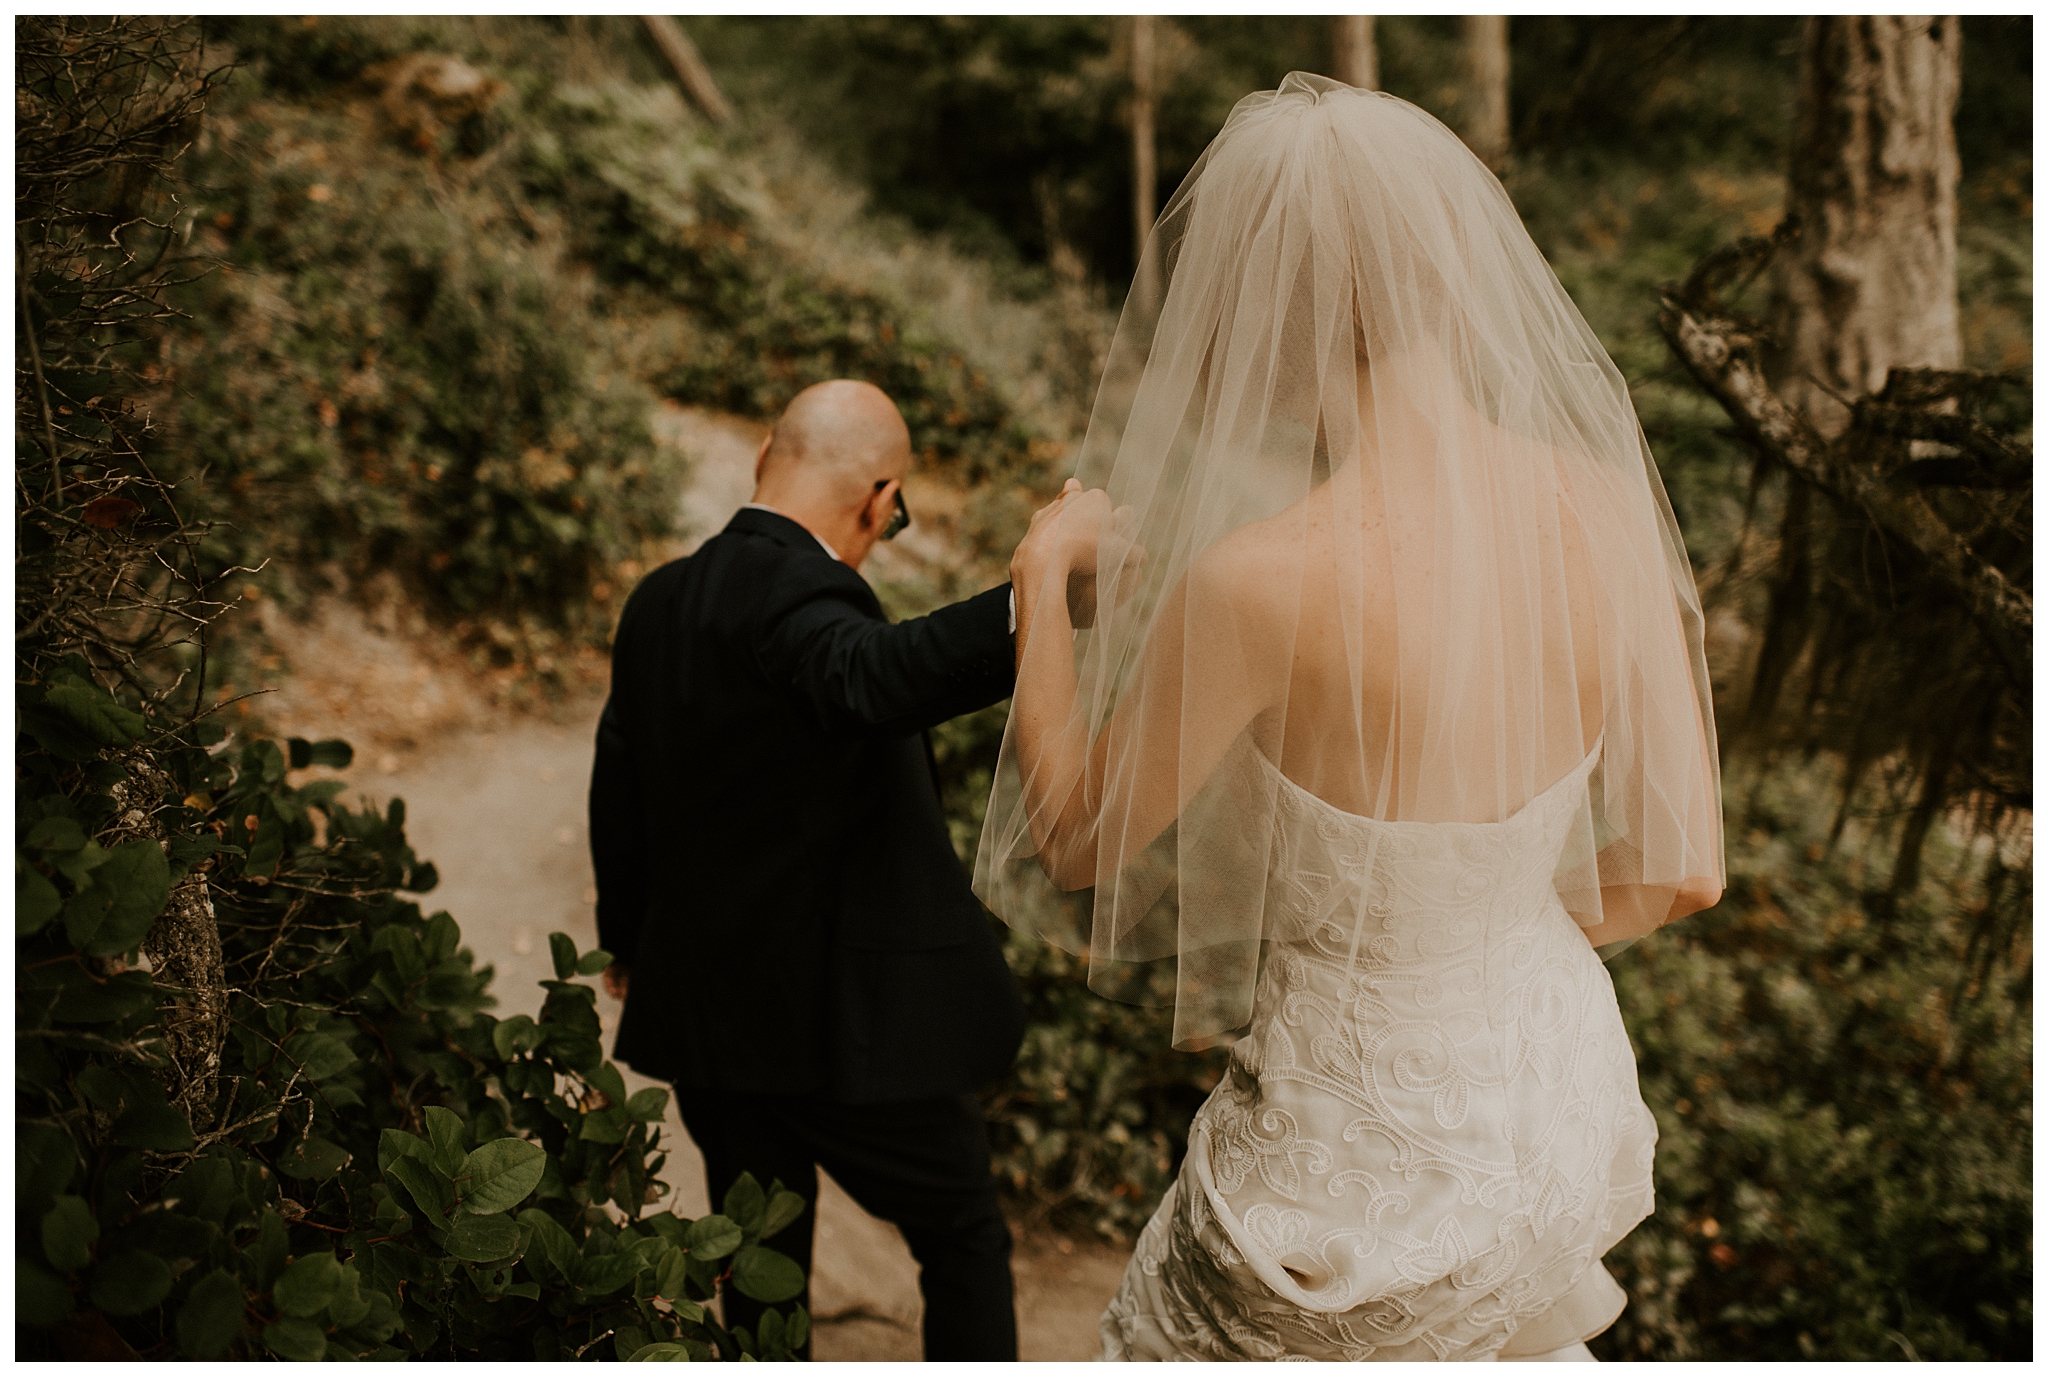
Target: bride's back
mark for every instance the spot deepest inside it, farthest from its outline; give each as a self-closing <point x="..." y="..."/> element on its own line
<point x="1429" y="678"/>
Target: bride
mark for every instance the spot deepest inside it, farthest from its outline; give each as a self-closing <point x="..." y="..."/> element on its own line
<point x="1360" y="698"/>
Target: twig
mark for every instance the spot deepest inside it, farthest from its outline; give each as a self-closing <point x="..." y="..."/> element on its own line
<point x="35" y="356"/>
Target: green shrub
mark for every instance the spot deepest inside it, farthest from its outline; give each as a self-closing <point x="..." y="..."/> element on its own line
<point x="1843" y="1092"/>
<point x="394" y="372"/>
<point x="332" y="1150"/>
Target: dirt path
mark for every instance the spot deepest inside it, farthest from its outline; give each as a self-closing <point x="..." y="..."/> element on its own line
<point x="496" y="801"/>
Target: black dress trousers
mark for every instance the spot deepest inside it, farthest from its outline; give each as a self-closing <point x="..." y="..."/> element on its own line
<point x="923" y="1165"/>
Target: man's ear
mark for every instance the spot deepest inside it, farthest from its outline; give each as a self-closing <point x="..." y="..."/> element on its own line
<point x="881" y="505"/>
<point x="761" y="457"/>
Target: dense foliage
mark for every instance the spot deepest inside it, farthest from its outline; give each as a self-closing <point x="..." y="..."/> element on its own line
<point x="339" y="1154"/>
<point x="258" y="1107"/>
<point x="1843" y="1087"/>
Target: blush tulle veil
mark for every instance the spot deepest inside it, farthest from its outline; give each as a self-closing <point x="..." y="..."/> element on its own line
<point x="1393" y="533"/>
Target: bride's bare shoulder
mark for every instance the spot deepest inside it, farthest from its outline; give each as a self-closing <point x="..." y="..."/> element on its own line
<point x="1257" y="563"/>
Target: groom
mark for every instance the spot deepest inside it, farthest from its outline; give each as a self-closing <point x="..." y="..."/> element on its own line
<point x="794" y="938"/>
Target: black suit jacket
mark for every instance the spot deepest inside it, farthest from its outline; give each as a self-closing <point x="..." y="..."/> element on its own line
<point x="771" y="856"/>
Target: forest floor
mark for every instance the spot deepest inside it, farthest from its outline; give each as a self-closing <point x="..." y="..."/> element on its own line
<point x="495" y="799"/>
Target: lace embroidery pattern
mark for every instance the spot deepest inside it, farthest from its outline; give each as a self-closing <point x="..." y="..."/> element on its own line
<point x="1417" y="1152"/>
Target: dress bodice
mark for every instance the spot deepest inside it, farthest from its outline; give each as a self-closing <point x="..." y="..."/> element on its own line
<point x="1440" y="883"/>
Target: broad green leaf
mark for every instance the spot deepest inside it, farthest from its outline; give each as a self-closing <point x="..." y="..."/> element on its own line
<point x="39" y="1298"/>
<point x="769" y="1331"/>
<point x="130" y="1282"/>
<point x="186" y="852"/>
<point x="307" y="1285"/>
<point x="563" y="948"/>
<point x="442" y="937"/>
<point x="299" y="1340"/>
<point x="312" y="1159"/>
<point x="349" y="1304"/>
<point x="784" y="1208"/>
<point x="394" y="1143"/>
<point x="78" y="866"/>
<point x="608" y="1080"/>
<point x="671" y="1275"/>
<point x="334" y="754"/>
<point x="318" y="1055"/>
<point x="507" y="1035"/>
<point x="557" y="1249"/>
<point x="482" y="1238"/>
<point x="745" y="1203"/>
<point x="501" y="1173"/>
<point x="600" y="1128"/>
<point x="262" y="759"/>
<point x="206" y="1189"/>
<point x="713" y="1236"/>
<point x="55" y="834"/>
<point x="627" y="1340"/>
<point x="211" y="1317"/>
<point x="93" y="711"/>
<point x="158" y="1127"/>
<point x="648" y="1106"/>
<point x="580" y="1054"/>
<point x="433" y="1193"/>
<point x="603" y="1275"/>
<point x="68" y="1233"/>
<point x="444" y="1131"/>
<point x="660" y="1353"/>
<point x="103" y="1087"/>
<point x="592" y="962"/>
<point x="127" y="892"/>
<point x="266" y="848"/>
<point x="766" y="1275"/>
<point x="36" y="900"/>
<point x="798" y="1330"/>
<point x="266" y="1255"/>
<point x="45" y="1161"/>
<point x="58" y="734"/>
<point x="406" y="954"/>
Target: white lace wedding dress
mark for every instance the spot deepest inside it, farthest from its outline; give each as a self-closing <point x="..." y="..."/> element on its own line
<point x="1425" y="1159"/>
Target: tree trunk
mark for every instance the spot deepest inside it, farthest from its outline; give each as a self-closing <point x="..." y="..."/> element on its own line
<point x="688" y="65"/>
<point x="1354" y="56"/>
<point x="1485" y="53"/>
<point x="1144" y="155"/>
<point x="184" y="951"/>
<point x="1871" y="283"/>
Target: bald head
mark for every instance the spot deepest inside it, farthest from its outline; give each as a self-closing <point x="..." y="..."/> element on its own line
<point x="836" y="442"/>
<point x="834" y="462"/>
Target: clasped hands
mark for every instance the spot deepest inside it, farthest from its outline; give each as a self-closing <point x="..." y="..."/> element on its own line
<point x="1072" y="540"/>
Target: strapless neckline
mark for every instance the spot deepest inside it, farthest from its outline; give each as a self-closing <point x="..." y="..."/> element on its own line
<point x="1577" y="774"/>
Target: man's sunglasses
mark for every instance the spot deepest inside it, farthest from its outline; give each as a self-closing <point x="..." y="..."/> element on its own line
<point x="900" y="520"/>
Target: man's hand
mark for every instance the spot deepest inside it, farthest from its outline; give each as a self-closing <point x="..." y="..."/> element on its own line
<point x="617" y="977"/>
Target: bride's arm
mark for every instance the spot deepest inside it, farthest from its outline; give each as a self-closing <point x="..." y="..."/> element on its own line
<point x="1051" y="738"/>
<point x="1166" y="744"/>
